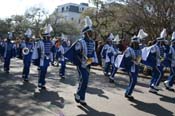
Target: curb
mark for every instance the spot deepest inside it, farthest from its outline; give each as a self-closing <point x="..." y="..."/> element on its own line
<point x="119" y="71"/>
<point x="124" y="73"/>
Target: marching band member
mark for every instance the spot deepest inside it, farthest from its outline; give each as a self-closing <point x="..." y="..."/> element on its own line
<point x="169" y="82"/>
<point x="114" y="68"/>
<point x="18" y="47"/>
<point x="157" y="52"/>
<point x="108" y="53"/>
<point x="82" y="54"/>
<point x="36" y="52"/>
<point x="27" y="50"/>
<point x="57" y="54"/>
<point x="45" y="46"/>
<point x="65" y="42"/>
<point x="9" y="52"/>
<point x="142" y="36"/>
<point x="103" y="53"/>
<point x="1" y="49"/>
<point x="132" y="56"/>
<point x="60" y="58"/>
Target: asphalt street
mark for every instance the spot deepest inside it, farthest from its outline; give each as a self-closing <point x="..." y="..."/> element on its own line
<point x="103" y="98"/>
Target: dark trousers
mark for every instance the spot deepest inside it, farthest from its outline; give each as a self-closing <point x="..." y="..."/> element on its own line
<point x="26" y="69"/>
<point x="83" y="81"/>
<point x="132" y="83"/>
<point x="156" y="74"/>
<point x="43" y="72"/>
<point x="62" y="68"/>
<point x="114" y="70"/>
<point x="107" y="68"/>
<point x="7" y="63"/>
<point x="171" y="78"/>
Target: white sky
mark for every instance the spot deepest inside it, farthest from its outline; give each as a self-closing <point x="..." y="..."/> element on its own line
<point x="13" y="7"/>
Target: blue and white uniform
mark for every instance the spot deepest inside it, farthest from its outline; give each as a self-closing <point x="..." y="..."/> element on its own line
<point x="85" y="49"/>
<point x="46" y="57"/>
<point x="61" y="59"/>
<point x="171" y="78"/>
<point x="171" y="56"/>
<point x="9" y="52"/>
<point x="27" y="58"/>
<point x="83" y="54"/>
<point x="161" y="67"/>
<point x="157" y="53"/>
<point x="132" y="68"/>
<point x="109" y="59"/>
<point x="114" y="68"/>
<point x="1" y="49"/>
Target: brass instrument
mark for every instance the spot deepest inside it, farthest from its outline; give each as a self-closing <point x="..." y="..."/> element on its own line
<point x="25" y="51"/>
<point x="138" y="62"/>
<point x="88" y="60"/>
<point x="161" y="59"/>
<point x="56" y="63"/>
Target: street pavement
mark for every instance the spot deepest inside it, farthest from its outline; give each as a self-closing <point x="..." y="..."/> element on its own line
<point x="103" y="98"/>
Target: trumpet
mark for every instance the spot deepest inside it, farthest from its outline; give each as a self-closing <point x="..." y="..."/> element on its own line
<point x="25" y="51"/>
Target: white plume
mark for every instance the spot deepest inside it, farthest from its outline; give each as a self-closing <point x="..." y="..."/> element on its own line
<point x="88" y="22"/>
<point x="173" y="36"/>
<point x="10" y="35"/>
<point x="163" y="34"/>
<point x="142" y="34"/>
<point x="111" y="36"/>
<point x="48" y="28"/>
<point x="117" y="38"/>
<point x="28" y="32"/>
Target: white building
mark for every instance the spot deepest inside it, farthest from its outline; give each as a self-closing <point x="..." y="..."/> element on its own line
<point x="71" y="11"/>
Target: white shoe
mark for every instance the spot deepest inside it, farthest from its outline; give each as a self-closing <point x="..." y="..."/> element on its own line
<point x="112" y="78"/>
<point x="82" y="102"/>
<point x="157" y="87"/>
<point x="152" y="90"/>
<point x="166" y="83"/>
<point x="77" y="96"/>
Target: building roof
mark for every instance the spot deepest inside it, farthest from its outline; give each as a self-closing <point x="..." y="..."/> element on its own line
<point x="72" y="7"/>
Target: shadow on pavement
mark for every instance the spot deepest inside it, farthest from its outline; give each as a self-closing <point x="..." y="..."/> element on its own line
<point x="123" y="83"/>
<point x="8" y="109"/>
<point x="26" y="87"/>
<point x="166" y="98"/>
<point x="12" y="100"/>
<point x="151" y="108"/>
<point x="69" y="81"/>
<point x="92" y="112"/>
<point x="53" y="97"/>
<point x="96" y="91"/>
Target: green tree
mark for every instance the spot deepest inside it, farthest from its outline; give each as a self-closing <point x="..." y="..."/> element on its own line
<point x="20" y="24"/>
<point x="60" y="25"/>
<point x="36" y="16"/>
